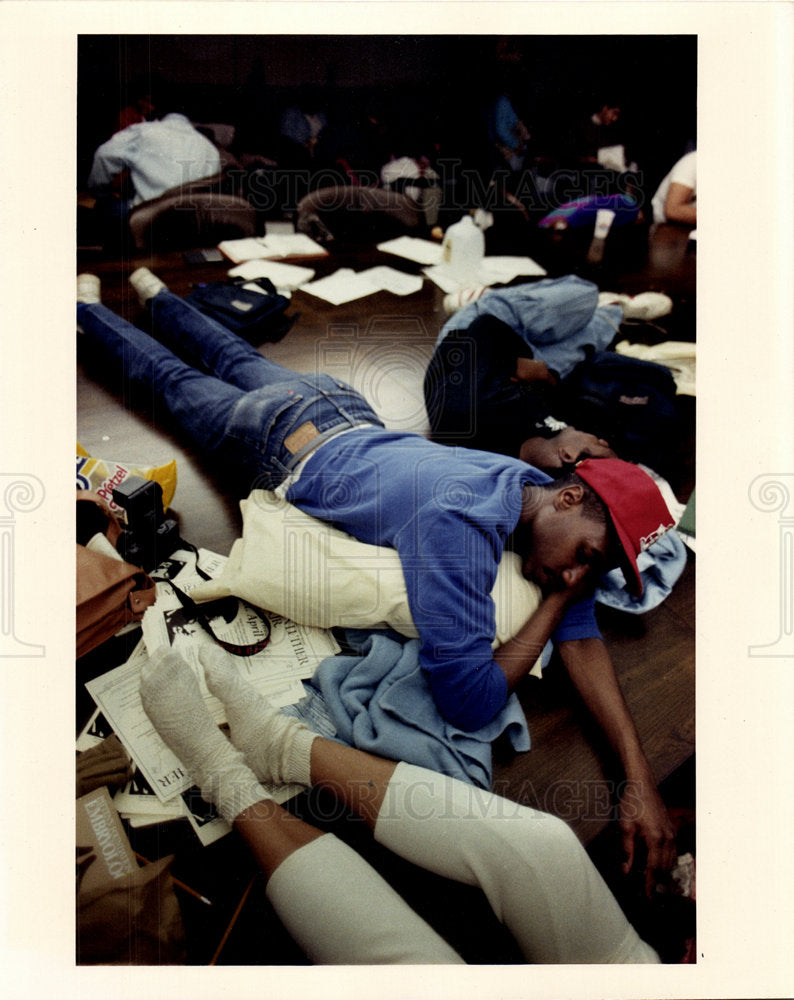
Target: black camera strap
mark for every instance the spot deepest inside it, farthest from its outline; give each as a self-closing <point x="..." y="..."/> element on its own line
<point x="223" y="606"/>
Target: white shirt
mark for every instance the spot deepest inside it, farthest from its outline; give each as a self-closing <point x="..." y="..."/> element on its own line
<point x="159" y="155"/>
<point x="684" y="172"/>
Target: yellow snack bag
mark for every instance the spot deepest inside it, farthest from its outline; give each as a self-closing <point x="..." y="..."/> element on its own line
<point x="102" y="476"/>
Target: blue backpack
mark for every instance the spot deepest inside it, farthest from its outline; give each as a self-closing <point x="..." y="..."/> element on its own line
<point x="629" y="402"/>
<point x="256" y="316"/>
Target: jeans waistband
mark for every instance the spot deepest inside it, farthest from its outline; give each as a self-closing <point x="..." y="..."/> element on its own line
<point x="311" y="440"/>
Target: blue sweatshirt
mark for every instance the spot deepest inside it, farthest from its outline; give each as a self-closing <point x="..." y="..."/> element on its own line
<point x="448" y="512"/>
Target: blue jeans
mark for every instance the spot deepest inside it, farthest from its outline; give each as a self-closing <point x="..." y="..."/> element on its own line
<point x="244" y="411"/>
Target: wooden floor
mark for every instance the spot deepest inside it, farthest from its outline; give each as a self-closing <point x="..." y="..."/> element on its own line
<point x="381" y="345"/>
<point x="569" y="771"/>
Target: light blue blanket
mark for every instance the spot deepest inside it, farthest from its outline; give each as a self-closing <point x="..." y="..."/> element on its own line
<point x="378" y="699"/>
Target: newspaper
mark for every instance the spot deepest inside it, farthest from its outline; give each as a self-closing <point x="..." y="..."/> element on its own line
<point x="292" y="653"/>
<point x="137" y="804"/>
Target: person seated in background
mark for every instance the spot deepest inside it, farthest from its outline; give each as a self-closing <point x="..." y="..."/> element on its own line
<point x="409" y="171"/>
<point x="507" y="133"/>
<point x="143" y="161"/>
<point x="675" y="199"/>
<point x="141" y="106"/>
<point x="597" y="149"/>
<point x="300" y="129"/>
<point x="596" y="132"/>
<point x="448" y="513"/>
<point x="535" y="875"/>
<point x="403" y="195"/>
<point x="302" y="135"/>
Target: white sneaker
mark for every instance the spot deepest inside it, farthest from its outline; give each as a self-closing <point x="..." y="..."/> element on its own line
<point x="645" y="306"/>
<point x="462" y="297"/>
<point x="146" y="284"/>
<point x="88" y="289"/>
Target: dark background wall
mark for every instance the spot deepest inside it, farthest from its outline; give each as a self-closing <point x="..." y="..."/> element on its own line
<point x="435" y="84"/>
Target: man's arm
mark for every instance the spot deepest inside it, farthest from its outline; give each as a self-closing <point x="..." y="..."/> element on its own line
<point x="470" y="691"/>
<point x="642" y="812"/>
<point x="517" y="656"/>
<point x="678" y="205"/>
<point x="109" y="160"/>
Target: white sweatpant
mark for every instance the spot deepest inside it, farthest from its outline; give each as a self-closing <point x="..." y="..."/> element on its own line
<point x="535" y="874"/>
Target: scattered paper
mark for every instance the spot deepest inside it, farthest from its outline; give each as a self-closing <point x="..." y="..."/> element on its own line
<point x="342" y="286"/>
<point x="345" y="285"/>
<point x="388" y="279"/>
<point x="117" y="694"/>
<point x="138" y="799"/>
<point x="490" y="271"/>
<point x="413" y="248"/>
<point x="292" y="245"/>
<point x="94" y="732"/>
<point x="447" y="280"/>
<point x="283" y="276"/>
<point x="278" y="227"/>
<point x="161" y="788"/>
<point x="248" y="248"/>
<point x="207" y="824"/>
<point x="291" y="655"/>
<point x="275" y="245"/>
<point x="502" y="270"/>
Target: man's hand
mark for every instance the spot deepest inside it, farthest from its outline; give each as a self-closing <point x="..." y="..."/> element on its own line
<point x="642" y="813"/>
<point x="121" y="185"/>
<point x="644" y="816"/>
<point x="530" y="370"/>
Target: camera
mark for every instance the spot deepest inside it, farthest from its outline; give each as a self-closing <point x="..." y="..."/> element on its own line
<point x="150" y="536"/>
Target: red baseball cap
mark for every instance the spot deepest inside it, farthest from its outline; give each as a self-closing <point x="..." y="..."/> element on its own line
<point x="637" y="509"/>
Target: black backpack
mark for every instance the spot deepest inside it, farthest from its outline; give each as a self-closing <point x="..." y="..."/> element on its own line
<point x="255" y="316"/>
<point x="629" y="402"/>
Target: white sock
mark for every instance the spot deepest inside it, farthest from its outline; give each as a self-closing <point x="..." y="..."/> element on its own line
<point x="341" y="912"/>
<point x="88" y="289"/>
<point x="146" y="284"/>
<point x="172" y="699"/>
<point x="276" y="746"/>
<point x="537" y="877"/>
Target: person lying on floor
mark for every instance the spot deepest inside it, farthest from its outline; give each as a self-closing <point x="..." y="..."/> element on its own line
<point x="447" y="512"/>
<point x="483" y="389"/>
<point x="525" y="371"/>
<point x="493" y="380"/>
<point x="536" y="876"/>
